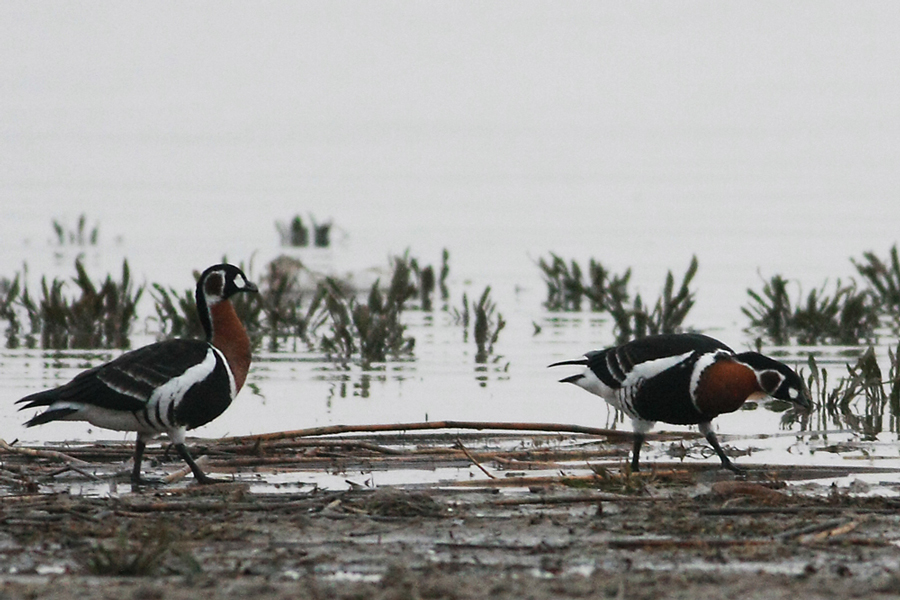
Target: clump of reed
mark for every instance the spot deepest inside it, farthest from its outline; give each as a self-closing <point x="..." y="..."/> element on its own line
<point x="176" y="313"/>
<point x="79" y="236"/>
<point x="296" y="235"/>
<point x="666" y="316"/>
<point x="371" y="329"/>
<point x="568" y="287"/>
<point x="486" y="325"/>
<point x="883" y="277"/>
<point x="426" y="282"/>
<point x="101" y="316"/>
<point x="286" y="313"/>
<point x="13" y="299"/>
<point x="849" y="315"/>
<point x="845" y="316"/>
<point x="864" y="384"/>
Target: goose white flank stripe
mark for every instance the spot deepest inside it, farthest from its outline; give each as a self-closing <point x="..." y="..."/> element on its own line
<point x="169" y="387"/>
<point x="683" y="379"/>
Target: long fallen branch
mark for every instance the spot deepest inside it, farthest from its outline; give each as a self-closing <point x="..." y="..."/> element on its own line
<point x="577" y="499"/>
<point x="478" y="425"/>
<point x="50" y="454"/>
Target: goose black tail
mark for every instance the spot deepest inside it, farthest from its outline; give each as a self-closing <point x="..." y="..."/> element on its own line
<point x="45" y="398"/>
<point x="50" y="415"/>
<point x="582" y="362"/>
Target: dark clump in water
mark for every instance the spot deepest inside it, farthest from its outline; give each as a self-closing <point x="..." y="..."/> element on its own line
<point x="845" y="317"/>
<point x="609" y="293"/>
<point x="101" y="316"/>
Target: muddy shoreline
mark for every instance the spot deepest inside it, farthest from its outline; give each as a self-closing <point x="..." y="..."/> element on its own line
<point x="675" y="532"/>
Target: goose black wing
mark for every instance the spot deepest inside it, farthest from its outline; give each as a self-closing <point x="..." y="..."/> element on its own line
<point x="127" y="382"/>
<point x="613" y="365"/>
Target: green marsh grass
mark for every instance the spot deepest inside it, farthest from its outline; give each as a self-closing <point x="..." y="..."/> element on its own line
<point x="296" y="234"/>
<point x="883" y="277"/>
<point x="486" y="323"/>
<point x="568" y="288"/>
<point x="860" y="400"/>
<point x="846" y="316"/>
<point x="101" y="316"/>
<point x="79" y="236"/>
<point x="370" y="329"/>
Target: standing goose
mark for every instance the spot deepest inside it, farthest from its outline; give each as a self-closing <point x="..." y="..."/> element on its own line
<point x="683" y="379"/>
<point x="168" y="387"/>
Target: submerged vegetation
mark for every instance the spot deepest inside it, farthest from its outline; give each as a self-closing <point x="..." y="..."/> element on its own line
<point x="372" y="329"/>
<point x="100" y="316"/>
<point x="847" y="316"/>
<point x="859" y="399"/>
<point x="79" y="236"/>
<point x="296" y="235"/>
<point x="607" y="292"/>
<point x="485" y="326"/>
<point x="850" y="315"/>
<point x="295" y="305"/>
<point x="365" y="324"/>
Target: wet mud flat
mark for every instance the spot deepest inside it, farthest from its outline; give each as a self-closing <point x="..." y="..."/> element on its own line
<point x="680" y="530"/>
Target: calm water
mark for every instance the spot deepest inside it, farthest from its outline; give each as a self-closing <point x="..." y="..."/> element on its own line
<point x="639" y="136"/>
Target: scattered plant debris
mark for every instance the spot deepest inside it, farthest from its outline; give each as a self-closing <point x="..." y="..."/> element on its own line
<point x="136" y="555"/>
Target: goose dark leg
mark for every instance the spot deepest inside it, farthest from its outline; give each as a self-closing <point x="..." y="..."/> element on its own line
<point x="639" y="438"/>
<point x="199" y="475"/>
<point x="706" y="429"/>
<point x="136" y="478"/>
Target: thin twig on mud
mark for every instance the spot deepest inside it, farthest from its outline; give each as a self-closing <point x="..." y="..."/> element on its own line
<point x="641" y="543"/>
<point x="462" y="447"/>
<point x="184" y="471"/>
<point x="762" y="510"/>
<point x="71" y="467"/>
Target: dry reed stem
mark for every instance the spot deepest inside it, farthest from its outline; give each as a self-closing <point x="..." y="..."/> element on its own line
<point x="50" y="454"/>
<point x="478" y="425"/>
<point x="472" y="458"/>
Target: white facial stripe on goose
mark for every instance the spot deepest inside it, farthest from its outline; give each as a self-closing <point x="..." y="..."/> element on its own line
<point x="239" y="282"/>
<point x="175" y="389"/>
